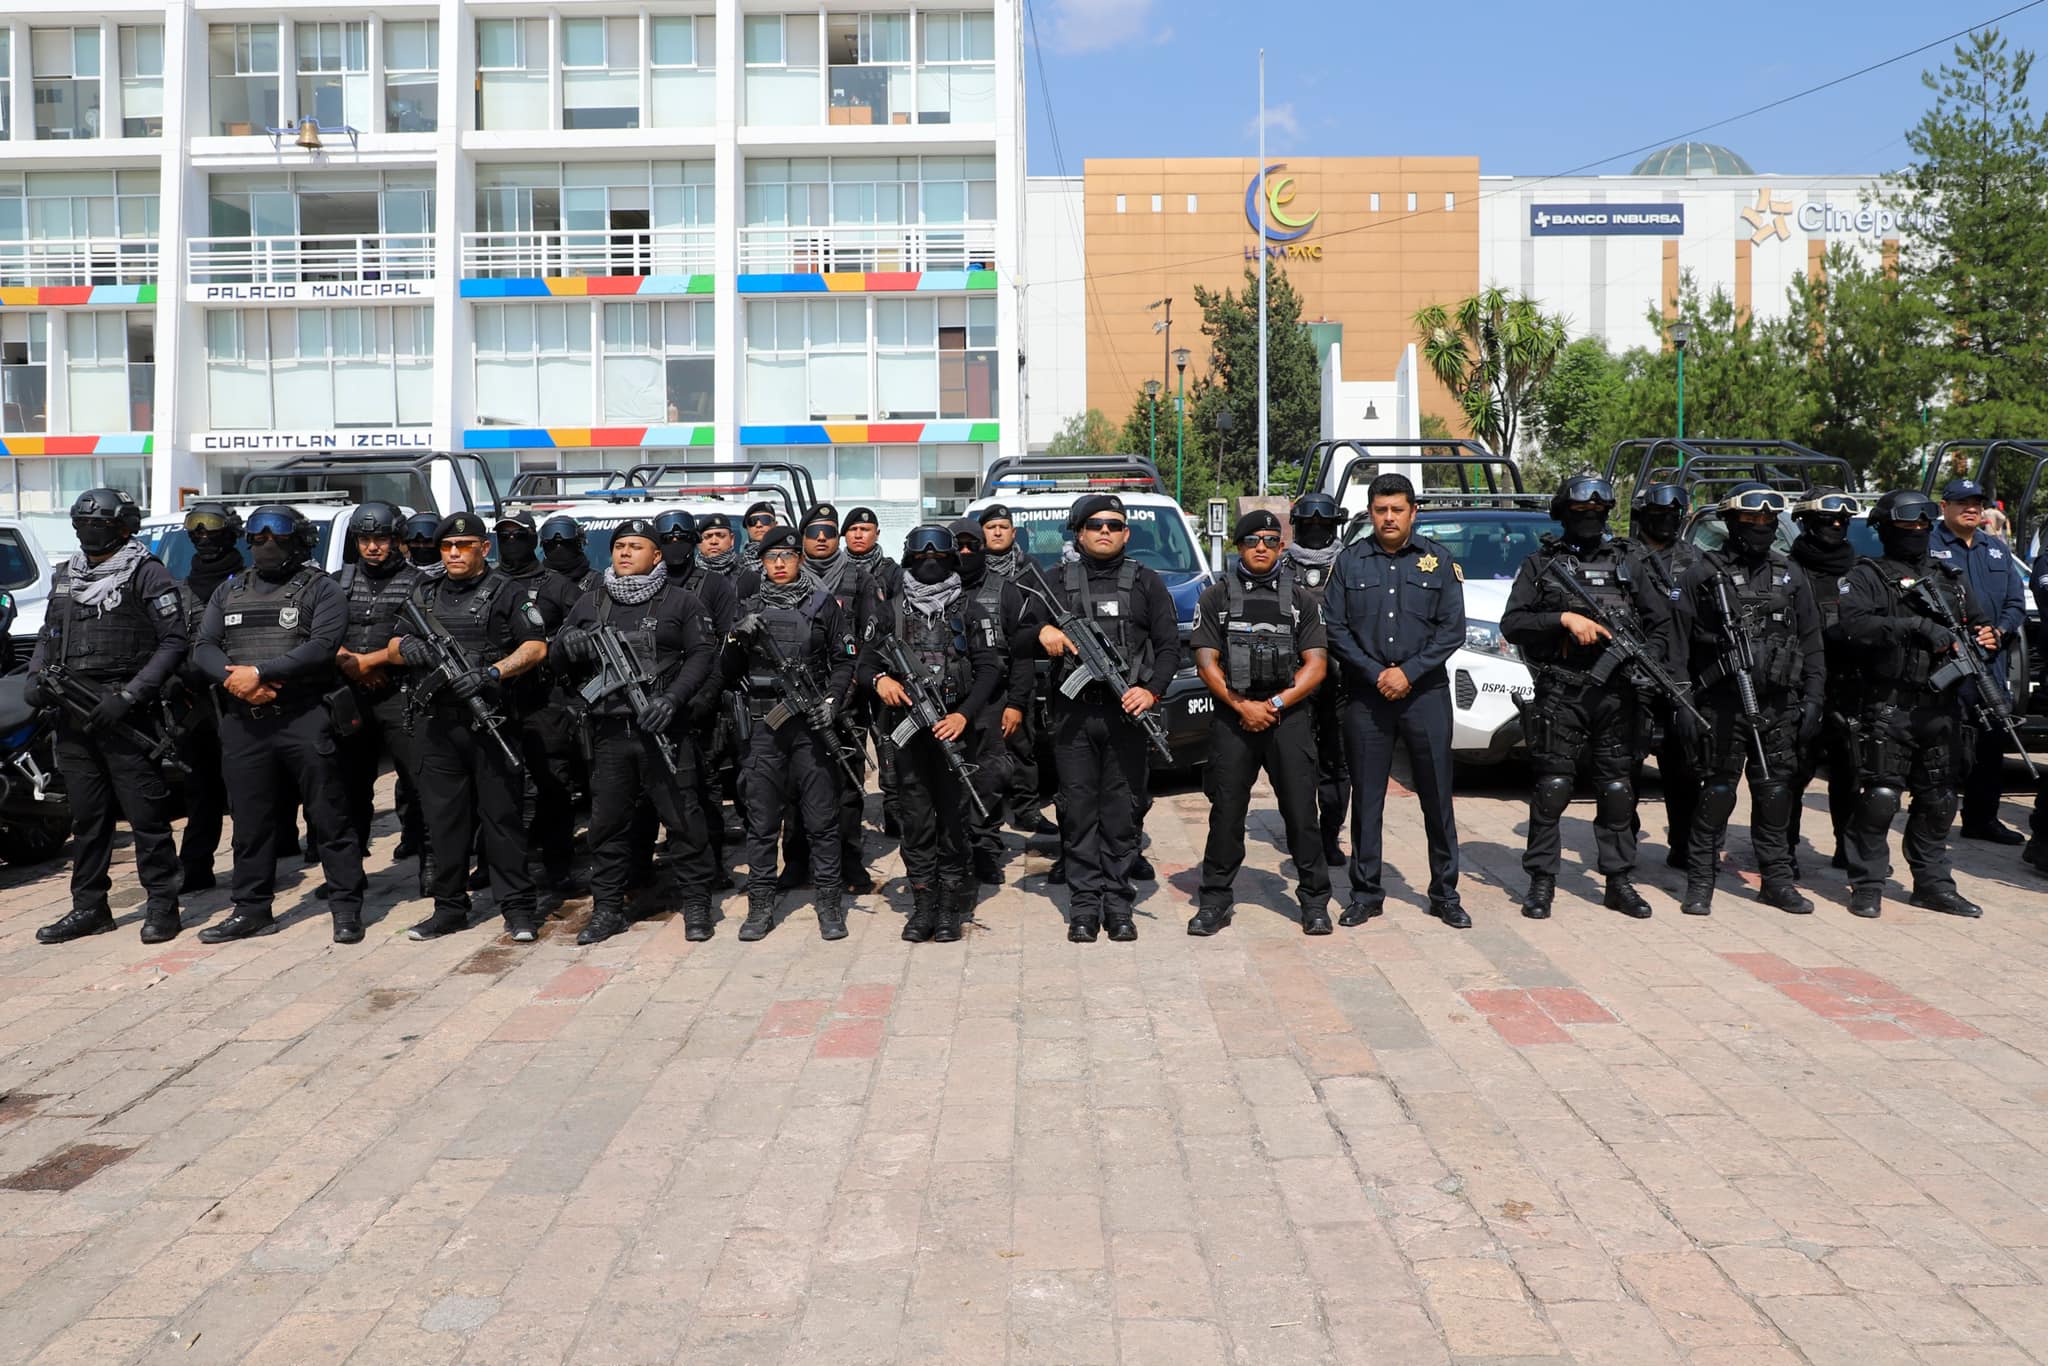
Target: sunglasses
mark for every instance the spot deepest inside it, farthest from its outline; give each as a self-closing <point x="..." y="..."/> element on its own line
<point x="780" y="553"/>
<point x="463" y="543"/>
<point x="761" y="519"/>
<point x="821" y="533"/>
<point x="1268" y="539"/>
<point x="1105" y="524"/>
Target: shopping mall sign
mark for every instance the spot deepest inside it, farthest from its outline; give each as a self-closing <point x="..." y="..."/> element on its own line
<point x="1283" y="226"/>
<point x="1772" y="218"/>
<point x="1607" y="220"/>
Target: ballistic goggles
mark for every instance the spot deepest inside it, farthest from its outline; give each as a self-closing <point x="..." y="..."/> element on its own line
<point x="1907" y="509"/>
<point x="272" y="524"/>
<point x="1826" y="505"/>
<point x="1754" y="500"/>
<point x="208" y="522"/>
<point x="1662" y="498"/>
<point x="1587" y="488"/>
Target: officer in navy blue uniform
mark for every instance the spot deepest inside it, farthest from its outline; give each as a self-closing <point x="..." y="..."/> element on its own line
<point x="1261" y="650"/>
<point x="1395" y="612"/>
<point x="1999" y="581"/>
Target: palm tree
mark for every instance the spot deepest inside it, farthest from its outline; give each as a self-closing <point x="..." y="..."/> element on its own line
<point x="1492" y="352"/>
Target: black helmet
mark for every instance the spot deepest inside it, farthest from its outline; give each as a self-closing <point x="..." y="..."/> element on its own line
<point x="1315" y="507"/>
<point x="421" y="526"/>
<point x="559" y="528"/>
<point x="1750" y="496"/>
<point x="376" y="519"/>
<point x="675" y="525"/>
<point x="1901" y="507"/>
<point x="1581" y="488"/>
<point x="213" y="519"/>
<point x="1661" y="497"/>
<point x="1822" y="504"/>
<point x="929" y="540"/>
<point x="284" y="521"/>
<point x="107" y="505"/>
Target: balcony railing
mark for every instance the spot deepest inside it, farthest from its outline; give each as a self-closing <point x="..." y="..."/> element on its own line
<point x="827" y="250"/>
<point x="558" y="252"/>
<point x="77" y="261"/>
<point x="302" y="259"/>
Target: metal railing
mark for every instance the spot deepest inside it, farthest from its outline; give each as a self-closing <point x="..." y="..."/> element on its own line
<point x="77" y="261"/>
<point x="300" y="258"/>
<point x="564" y="252"/>
<point x="825" y="250"/>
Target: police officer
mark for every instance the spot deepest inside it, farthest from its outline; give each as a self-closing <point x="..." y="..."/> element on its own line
<point x="1908" y="736"/>
<point x="376" y="585"/>
<point x="1261" y="650"/>
<point x="1006" y="560"/>
<point x="714" y="545"/>
<point x="958" y="647"/>
<point x="1659" y="560"/>
<point x="790" y="766"/>
<point x="706" y="717"/>
<point x="1395" y="610"/>
<point x="2000" y="584"/>
<point x="1572" y="715"/>
<point x="547" y="732"/>
<point x="1097" y="744"/>
<point x="757" y="520"/>
<point x="676" y="530"/>
<point x="269" y="640"/>
<point x="419" y="542"/>
<point x="1316" y="519"/>
<point x="115" y="623"/>
<point x="215" y="530"/>
<point x="465" y="778"/>
<point x="670" y="636"/>
<point x="1002" y="602"/>
<point x="1823" y="551"/>
<point x="1772" y="608"/>
<point x="862" y="536"/>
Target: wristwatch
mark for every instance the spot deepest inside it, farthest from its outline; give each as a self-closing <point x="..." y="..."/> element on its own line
<point x="496" y="677"/>
<point x="1279" y="703"/>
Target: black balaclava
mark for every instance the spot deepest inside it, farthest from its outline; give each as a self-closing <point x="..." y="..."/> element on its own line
<point x="1315" y="533"/>
<point x="1584" y="531"/>
<point x="215" y="558"/>
<point x="515" y="551"/>
<point x="1907" y="547"/>
<point x="423" y="554"/>
<point x="276" y="560"/>
<point x="1751" y="543"/>
<point x="1659" y="525"/>
<point x="973" y="564"/>
<point x="1823" y="545"/>
<point x="98" y="535"/>
<point x="931" y="569"/>
<point x="679" y="553"/>
<point x="566" y="558"/>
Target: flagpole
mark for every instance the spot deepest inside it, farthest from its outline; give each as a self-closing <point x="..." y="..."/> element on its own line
<point x="1263" y="259"/>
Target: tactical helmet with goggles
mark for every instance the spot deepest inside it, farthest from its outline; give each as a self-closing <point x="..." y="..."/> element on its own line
<point x="283" y="522"/>
<point x="1824" y="504"/>
<point x="1750" y="496"/>
<point x="213" y="522"/>
<point x="561" y="529"/>
<point x="1903" y="508"/>
<point x="1582" y="488"/>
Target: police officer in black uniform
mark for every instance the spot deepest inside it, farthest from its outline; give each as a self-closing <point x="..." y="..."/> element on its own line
<point x="114" y="621"/>
<point x="988" y="739"/>
<point x="861" y="533"/>
<point x="1823" y="551"/>
<point x="1909" y="736"/>
<point x="671" y="637"/>
<point x="376" y="586"/>
<point x="1260" y="648"/>
<point x="677" y="531"/>
<point x="1395" y="611"/>
<point x="707" y="718"/>
<point x="1773" y="606"/>
<point x="215" y="530"/>
<point x="1097" y="744"/>
<point x="1006" y="560"/>
<point x="419" y="542"/>
<point x="1315" y="521"/>
<point x="838" y="575"/>
<point x="1659" y="560"/>
<point x="715" y="549"/>
<point x="269" y="640"/>
<point x="546" y="729"/>
<point x="789" y="767"/>
<point x="1572" y="716"/>
<point x="465" y="778"/>
<point x="959" y="648"/>
<point x="757" y="521"/>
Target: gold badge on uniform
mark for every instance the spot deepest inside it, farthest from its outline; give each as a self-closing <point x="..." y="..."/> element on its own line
<point x="1427" y="564"/>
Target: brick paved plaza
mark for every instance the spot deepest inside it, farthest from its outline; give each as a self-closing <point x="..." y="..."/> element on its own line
<point x="1751" y="1139"/>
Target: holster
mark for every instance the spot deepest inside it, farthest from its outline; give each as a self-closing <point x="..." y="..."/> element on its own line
<point x="344" y="714"/>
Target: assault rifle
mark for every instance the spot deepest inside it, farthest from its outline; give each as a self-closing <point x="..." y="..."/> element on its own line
<point x="803" y="697"/>
<point x="1739" y="663"/>
<point x="442" y="657"/>
<point x="81" y="698"/>
<point x="925" y="712"/>
<point x="1993" y="711"/>
<point x="618" y="670"/>
<point x="1096" y="660"/>
<point x="1626" y="647"/>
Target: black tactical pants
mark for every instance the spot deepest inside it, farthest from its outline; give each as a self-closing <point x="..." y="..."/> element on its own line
<point x="109" y="778"/>
<point x="1333" y="781"/>
<point x="206" y="794"/>
<point x="625" y="767"/>
<point x="1678" y="773"/>
<point x="362" y="759"/>
<point x="936" y="819"/>
<point x="1729" y="753"/>
<point x="1906" y="748"/>
<point x="1020" y="797"/>
<point x="1285" y="751"/>
<point x="850" y="811"/>
<point x="1983" y="787"/>
<point x="273" y="761"/>
<point x="1100" y="755"/>
<point x="989" y="754"/>
<point x="1834" y="750"/>
<point x="1421" y="724"/>
<point x="789" y="772"/>
<point x="467" y="787"/>
<point x="1597" y="726"/>
<point x="547" y="741"/>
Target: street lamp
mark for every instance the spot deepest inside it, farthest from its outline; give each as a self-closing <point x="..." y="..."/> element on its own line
<point x="1180" y="416"/>
<point x="1681" y="333"/>
<point x="1166" y="326"/>
<point x="1152" y="387"/>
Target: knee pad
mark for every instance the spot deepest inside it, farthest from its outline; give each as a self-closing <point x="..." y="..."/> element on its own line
<point x="1876" y="806"/>
<point x="1717" y="803"/>
<point x="1614" y="803"/>
<point x="1551" y="795"/>
<point x="1773" y="804"/>
<point x="1934" y="810"/>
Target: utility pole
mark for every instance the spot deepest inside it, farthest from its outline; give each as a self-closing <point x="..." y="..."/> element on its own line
<point x="1263" y="265"/>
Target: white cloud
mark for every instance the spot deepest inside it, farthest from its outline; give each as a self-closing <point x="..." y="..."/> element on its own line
<point x="1093" y="25"/>
<point x="1280" y="121"/>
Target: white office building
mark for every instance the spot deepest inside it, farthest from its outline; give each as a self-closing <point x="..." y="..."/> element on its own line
<point x="573" y="235"/>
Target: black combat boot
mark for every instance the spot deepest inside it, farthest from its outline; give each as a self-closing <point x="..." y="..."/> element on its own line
<point x="924" y="916"/>
<point x="76" y="923"/>
<point x="760" y="917"/>
<point x="831" y="916"/>
<point x="1622" y="896"/>
<point x="946" y="928"/>
<point x="433" y="927"/>
<point x="1083" y="926"/>
<point x="240" y="925"/>
<point x="160" y="923"/>
<point x="348" y="926"/>
<point x="1141" y="870"/>
<point x="1866" y="903"/>
<point x="1122" y="929"/>
<point x="697" y="922"/>
<point x="1209" y="919"/>
<point x="604" y="922"/>
<point x="1699" y="896"/>
<point x="1536" y="901"/>
<point x="1316" y="919"/>
<point x="1948" y="901"/>
<point x="1452" y="913"/>
<point x="988" y="869"/>
<point x="1786" y="897"/>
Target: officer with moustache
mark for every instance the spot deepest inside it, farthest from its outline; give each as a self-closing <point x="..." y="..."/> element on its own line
<point x="1999" y="581"/>
<point x="269" y="641"/>
<point x="671" y="636"/>
<point x="1006" y="560"/>
<point x="114" y="621"/>
<point x="215" y="530"/>
<point x="715" y="550"/>
<point x="466" y="780"/>
<point x="1316" y="521"/>
<point x="1002" y="602"/>
<point x="376" y="585"/>
<point x="1261" y="649"/>
<point x="1097" y="744"/>
<point x="1659" y="560"/>
<point x="1822" y="551"/>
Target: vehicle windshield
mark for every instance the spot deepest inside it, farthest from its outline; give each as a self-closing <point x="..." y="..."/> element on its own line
<point x="18" y="568"/>
<point x="174" y="547"/>
<point x="1485" y="544"/>
<point x="1159" y="538"/>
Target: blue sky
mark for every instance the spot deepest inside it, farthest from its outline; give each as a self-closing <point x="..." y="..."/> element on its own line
<point x="1554" y="85"/>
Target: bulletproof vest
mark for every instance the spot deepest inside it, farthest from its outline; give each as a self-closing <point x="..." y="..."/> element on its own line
<point x="639" y="624"/>
<point x="1664" y="568"/>
<point x="795" y="629"/>
<point x="194" y="605"/>
<point x="1258" y="635"/>
<point x="265" y="624"/>
<point x="1115" y="614"/>
<point x="1606" y="578"/>
<point x="1912" y="662"/>
<point x="1314" y="577"/>
<point x="938" y="645"/>
<point x="467" y="616"/>
<point x="373" y="606"/>
<point x="1763" y="600"/>
<point x="115" y="637"/>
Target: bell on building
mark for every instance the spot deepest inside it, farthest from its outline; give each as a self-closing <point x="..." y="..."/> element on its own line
<point x="309" y="135"/>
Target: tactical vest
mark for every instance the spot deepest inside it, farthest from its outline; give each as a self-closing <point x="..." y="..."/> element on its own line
<point x="938" y="646"/>
<point x="1664" y="568"/>
<point x="1763" y="601"/>
<point x="1910" y="663"/>
<point x="1115" y="615"/>
<point x="1314" y="577"/>
<point x="264" y="625"/>
<point x="469" y="622"/>
<point x="795" y="629"/>
<point x="115" y="638"/>
<point x="373" y="606"/>
<point x="1605" y="577"/>
<point x="1258" y="635"/>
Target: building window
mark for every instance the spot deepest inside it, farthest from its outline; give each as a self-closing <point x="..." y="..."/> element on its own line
<point x="6" y="83"/>
<point x="24" y="372"/>
<point x="512" y="74"/>
<point x="933" y="358"/>
<point x="66" y="71"/>
<point x="658" y="362"/>
<point x="59" y="227"/>
<point x="600" y="73"/>
<point x="681" y="51"/>
<point x="110" y="365"/>
<point x="1411" y="201"/>
<point x="242" y="86"/>
<point x="782" y="85"/>
<point x="1373" y="203"/>
<point x="334" y="74"/>
<point x="412" y="62"/>
<point x="1191" y="203"/>
<point x="319" y="368"/>
<point x="533" y="365"/>
<point x="1158" y="202"/>
<point x="1450" y="202"/>
<point x="870" y="76"/>
<point x="1119" y="203"/>
<point x="142" y="81"/>
<point x="956" y="77"/>
<point x="602" y="218"/>
<point x="884" y="213"/>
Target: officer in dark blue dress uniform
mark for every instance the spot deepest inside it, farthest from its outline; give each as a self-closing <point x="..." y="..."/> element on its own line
<point x="1999" y="582"/>
<point x="1395" y="610"/>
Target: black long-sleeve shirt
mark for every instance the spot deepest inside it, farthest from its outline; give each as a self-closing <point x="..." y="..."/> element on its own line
<point x="1157" y="621"/>
<point x="684" y="638"/>
<point x="308" y="664"/>
<point x="157" y="591"/>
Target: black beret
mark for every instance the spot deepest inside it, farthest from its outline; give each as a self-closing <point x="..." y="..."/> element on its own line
<point x="968" y="528"/>
<point x="860" y="517"/>
<point x="779" y="538"/>
<point x="1094" y="505"/>
<point x="635" y="526"/>
<point x="994" y="512"/>
<point x="825" y="515"/>
<point x="763" y="506"/>
<point x="713" y="521"/>
<point x="1254" y="522"/>
<point x="460" y="524"/>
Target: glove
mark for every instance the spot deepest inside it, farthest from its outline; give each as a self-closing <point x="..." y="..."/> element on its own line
<point x="413" y="651"/>
<point x="821" y="715"/>
<point x="1933" y="634"/>
<point x="574" y="645"/>
<point x="659" y="714"/>
<point x="1809" y="724"/>
<point x="470" y="684"/>
<point x="113" y="708"/>
<point x="1685" y="728"/>
<point x="36" y="695"/>
<point x="748" y="626"/>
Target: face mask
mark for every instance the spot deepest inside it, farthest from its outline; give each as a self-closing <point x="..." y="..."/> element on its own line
<point x="1660" y="526"/>
<point x="563" y="556"/>
<point x="272" y="560"/>
<point x="1910" y="546"/>
<point x="1316" y="535"/>
<point x="514" y="552"/>
<point x="973" y="568"/>
<point x="211" y="551"/>
<point x="1584" y="528"/>
<point x="1829" y="534"/>
<point x="930" y="569"/>
<point x="96" y="536"/>
<point x="1754" y="542"/>
<point x="676" y="554"/>
<point x="423" y="556"/>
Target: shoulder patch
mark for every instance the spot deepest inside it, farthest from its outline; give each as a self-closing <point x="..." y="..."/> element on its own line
<point x="531" y="615"/>
<point x="166" y="604"/>
<point x="1457" y="571"/>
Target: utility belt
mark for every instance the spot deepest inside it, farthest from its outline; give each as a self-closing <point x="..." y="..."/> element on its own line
<point x="263" y="711"/>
